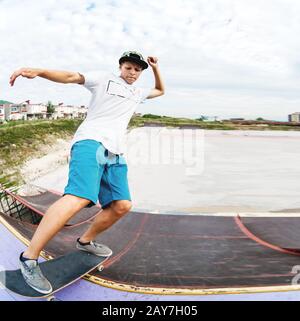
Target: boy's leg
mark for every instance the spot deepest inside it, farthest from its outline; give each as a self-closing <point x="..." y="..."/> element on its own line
<point x="53" y="221"/>
<point x="81" y="190"/>
<point x="106" y="219"/>
<point x="114" y="196"/>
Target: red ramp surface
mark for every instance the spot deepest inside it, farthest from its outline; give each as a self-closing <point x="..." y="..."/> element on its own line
<point x="280" y="233"/>
<point x="179" y="252"/>
<point x="32" y="208"/>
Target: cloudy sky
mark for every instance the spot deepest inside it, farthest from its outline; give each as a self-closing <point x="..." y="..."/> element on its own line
<point x="225" y="58"/>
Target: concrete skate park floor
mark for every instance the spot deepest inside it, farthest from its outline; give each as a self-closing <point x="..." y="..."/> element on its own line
<point x="242" y="171"/>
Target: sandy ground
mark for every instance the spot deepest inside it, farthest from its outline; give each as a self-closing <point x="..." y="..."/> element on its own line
<point x="55" y="157"/>
<point x="196" y="170"/>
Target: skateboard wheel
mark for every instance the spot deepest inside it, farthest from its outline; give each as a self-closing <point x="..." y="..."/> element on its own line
<point x="100" y="268"/>
<point x="51" y="298"/>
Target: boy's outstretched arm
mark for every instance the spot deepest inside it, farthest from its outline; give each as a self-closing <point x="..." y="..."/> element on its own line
<point x="159" y="89"/>
<point x="65" y="77"/>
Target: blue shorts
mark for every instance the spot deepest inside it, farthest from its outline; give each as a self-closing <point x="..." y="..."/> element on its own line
<point x="97" y="174"/>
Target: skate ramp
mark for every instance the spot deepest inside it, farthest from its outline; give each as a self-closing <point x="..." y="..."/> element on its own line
<point x="181" y="254"/>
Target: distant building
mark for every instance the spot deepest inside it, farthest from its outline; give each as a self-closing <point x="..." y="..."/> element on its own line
<point x="236" y="119"/>
<point x="69" y="112"/>
<point x="82" y="111"/>
<point x="28" y="111"/>
<point x="2" y="116"/>
<point x="14" y="112"/>
<point x="62" y="111"/>
<point x="35" y="111"/>
<point x="295" y="117"/>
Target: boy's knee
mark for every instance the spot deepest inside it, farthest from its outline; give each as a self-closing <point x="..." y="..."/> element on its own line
<point x="77" y="201"/>
<point x="121" y="207"/>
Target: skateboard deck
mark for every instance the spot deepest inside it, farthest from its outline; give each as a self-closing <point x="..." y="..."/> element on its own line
<point x="60" y="272"/>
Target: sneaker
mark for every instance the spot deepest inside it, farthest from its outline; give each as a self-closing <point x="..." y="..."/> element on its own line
<point x="34" y="277"/>
<point x="94" y="248"/>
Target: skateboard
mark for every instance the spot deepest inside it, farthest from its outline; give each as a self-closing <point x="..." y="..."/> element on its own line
<point x="60" y="272"/>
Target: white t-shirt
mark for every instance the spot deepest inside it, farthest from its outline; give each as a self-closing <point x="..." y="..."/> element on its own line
<point x="110" y="109"/>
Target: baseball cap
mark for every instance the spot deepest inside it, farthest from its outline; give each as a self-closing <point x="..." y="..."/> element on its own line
<point x="135" y="57"/>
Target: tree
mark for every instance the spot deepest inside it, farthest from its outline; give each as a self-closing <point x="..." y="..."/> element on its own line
<point x="202" y="118"/>
<point x="151" y="116"/>
<point x="50" y="108"/>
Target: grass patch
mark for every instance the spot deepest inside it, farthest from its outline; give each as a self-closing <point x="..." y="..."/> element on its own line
<point x="20" y="141"/>
<point x="139" y="121"/>
<point x="178" y="122"/>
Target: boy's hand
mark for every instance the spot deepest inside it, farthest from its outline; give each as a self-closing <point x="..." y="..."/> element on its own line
<point x="24" y="72"/>
<point x="152" y="61"/>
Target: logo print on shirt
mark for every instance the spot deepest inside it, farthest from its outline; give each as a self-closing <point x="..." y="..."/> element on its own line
<point x="120" y="90"/>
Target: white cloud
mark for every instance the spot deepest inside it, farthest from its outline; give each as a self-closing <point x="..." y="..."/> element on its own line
<point x="230" y="57"/>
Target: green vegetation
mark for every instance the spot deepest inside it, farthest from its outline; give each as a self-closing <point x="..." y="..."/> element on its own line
<point x="176" y="122"/>
<point x="202" y="123"/>
<point x="5" y="102"/>
<point x="22" y="140"/>
<point x="202" y="118"/>
<point x="50" y="108"/>
<point x="151" y="116"/>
